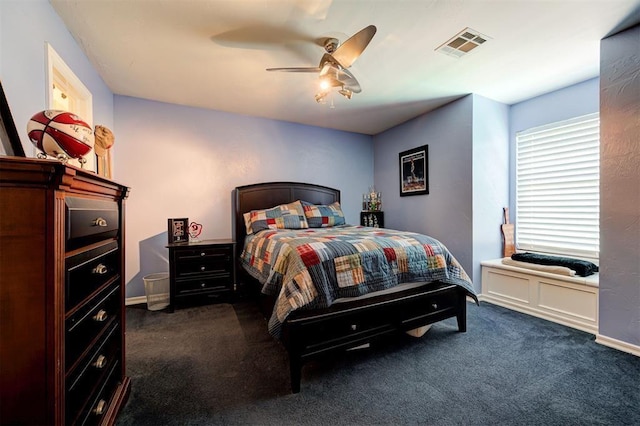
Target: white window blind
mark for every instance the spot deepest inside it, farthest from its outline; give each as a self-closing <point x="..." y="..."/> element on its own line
<point x="558" y="188"/>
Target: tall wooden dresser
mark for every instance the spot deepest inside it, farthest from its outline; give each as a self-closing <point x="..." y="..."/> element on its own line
<point x="62" y="321"/>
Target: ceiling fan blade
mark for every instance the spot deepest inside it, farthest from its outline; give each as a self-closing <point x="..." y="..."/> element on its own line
<point x="295" y="69"/>
<point x="350" y="50"/>
<point x="262" y="37"/>
<point x="349" y="81"/>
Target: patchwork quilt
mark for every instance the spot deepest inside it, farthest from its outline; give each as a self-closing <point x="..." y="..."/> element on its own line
<point x="311" y="268"/>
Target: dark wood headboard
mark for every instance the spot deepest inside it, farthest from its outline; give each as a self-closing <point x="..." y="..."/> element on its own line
<point x="267" y="195"/>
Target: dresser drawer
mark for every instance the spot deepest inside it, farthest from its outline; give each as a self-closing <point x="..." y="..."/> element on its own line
<point x="210" y="284"/>
<point x="90" y="270"/>
<point x="85" y="380"/>
<point x="94" y="412"/>
<point x="87" y="325"/>
<point x="90" y="221"/>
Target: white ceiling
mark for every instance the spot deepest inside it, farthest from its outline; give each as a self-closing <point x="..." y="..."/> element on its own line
<point x="213" y="53"/>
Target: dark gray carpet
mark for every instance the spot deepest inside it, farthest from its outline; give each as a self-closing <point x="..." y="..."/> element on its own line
<point x="217" y="364"/>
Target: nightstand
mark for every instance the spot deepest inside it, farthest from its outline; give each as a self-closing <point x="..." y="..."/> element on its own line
<point x="374" y="219"/>
<point x="201" y="272"/>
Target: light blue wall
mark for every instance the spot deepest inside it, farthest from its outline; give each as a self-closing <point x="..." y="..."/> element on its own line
<point x="25" y="26"/>
<point x="446" y="212"/>
<point x="185" y="162"/>
<point x="490" y="179"/>
<point x="620" y="187"/>
<point x="468" y="178"/>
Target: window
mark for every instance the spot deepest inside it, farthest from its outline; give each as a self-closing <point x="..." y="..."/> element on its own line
<point x="558" y="188"/>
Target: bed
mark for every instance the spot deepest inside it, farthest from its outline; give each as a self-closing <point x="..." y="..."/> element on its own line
<point x="312" y="321"/>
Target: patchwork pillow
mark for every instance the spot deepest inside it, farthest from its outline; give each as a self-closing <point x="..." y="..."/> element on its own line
<point x="321" y="216"/>
<point x="284" y="216"/>
<point x="247" y="222"/>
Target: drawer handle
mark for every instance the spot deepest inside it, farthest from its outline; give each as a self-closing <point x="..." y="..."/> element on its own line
<point x="100" y="222"/>
<point x="202" y="268"/>
<point x="101" y="316"/>
<point x="434" y="306"/>
<point x="99" y="410"/>
<point x="202" y="253"/>
<point x="100" y="269"/>
<point x="100" y="362"/>
<point x="203" y="285"/>
<point x="354" y="327"/>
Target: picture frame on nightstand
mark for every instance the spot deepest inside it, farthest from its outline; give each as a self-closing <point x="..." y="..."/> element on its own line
<point x="178" y="230"/>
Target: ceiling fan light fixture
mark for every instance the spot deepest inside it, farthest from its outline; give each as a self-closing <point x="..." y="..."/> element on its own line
<point x="346" y="93"/>
<point x="321" y="97"/>
<point x="325" y="84"/>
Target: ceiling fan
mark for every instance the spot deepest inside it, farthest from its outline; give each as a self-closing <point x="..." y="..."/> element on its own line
<point x="334" y="63"/>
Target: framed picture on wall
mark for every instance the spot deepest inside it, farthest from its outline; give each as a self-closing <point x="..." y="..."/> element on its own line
<point x="414" y="171"/>
<point x="9" y="137"/>
<point x="178" y="230"/>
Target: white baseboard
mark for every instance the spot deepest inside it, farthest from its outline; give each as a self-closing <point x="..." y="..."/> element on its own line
<point x="137" y="300"/>
<point x="618" y="344"/>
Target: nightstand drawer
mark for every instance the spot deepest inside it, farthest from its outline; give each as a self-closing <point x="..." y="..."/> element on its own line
<point x="217" y="283"/>
<point x="90" y="221"/>
<point x="209" y="253"/>
<point x="90" y="270"/>
<point x="205" y="265"/>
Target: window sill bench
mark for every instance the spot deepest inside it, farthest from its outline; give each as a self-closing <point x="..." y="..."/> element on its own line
<point x="571" y="301"/>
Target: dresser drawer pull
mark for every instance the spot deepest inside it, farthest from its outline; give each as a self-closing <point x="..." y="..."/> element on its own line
<point x="101" y="316"/>
<point x="202" y="253"/>
<point x="100" y="269"/>
<point x="99" y="410"/>
<point x="101" y="362"/>
<point x="100" y="222"/>
<point x="202" y="268"/>
<point x="434" y="306"/>
<point x="354" y="327"/>
<point x="203" y="285"/>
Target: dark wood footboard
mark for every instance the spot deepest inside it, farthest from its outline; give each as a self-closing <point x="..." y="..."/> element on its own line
<point x="308" y="334"/>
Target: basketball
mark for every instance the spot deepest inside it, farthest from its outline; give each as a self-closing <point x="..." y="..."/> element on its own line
<point x="60" y="134"/>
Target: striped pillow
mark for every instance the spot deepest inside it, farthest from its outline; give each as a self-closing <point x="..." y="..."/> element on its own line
<point x="321" y="216"/>
<point x="284" y="216"/>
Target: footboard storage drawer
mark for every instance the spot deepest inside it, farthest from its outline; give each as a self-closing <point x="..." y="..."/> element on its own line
<point x="343" y="326"/>
<point x="63" y="338"/>
<point x="347" y="326"/>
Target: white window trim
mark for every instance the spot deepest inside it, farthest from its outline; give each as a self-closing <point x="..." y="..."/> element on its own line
<point x="53" y="64"/>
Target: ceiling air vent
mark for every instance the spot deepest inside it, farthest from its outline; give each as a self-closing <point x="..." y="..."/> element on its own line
<point x="462" y="43"/>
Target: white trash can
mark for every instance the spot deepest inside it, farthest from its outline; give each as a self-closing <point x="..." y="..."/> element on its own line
<point x="156" y="286"/>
